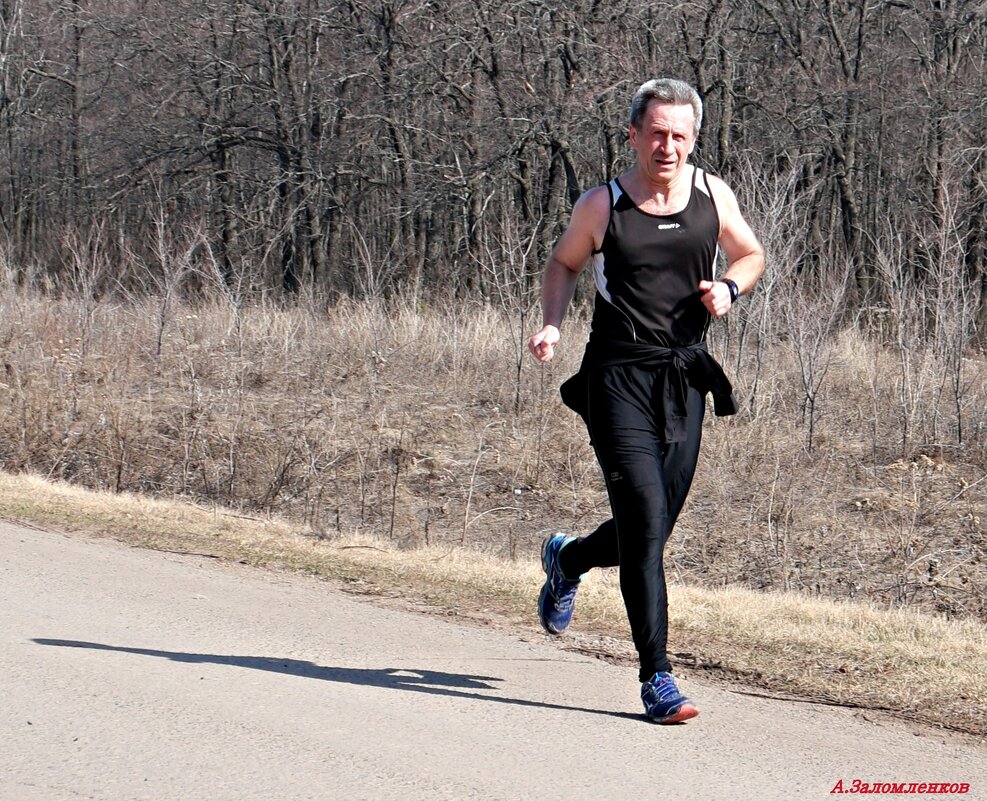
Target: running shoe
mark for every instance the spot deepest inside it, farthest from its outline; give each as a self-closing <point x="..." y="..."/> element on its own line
<point x="664" y="702"/>
<point x="558" y="596"/>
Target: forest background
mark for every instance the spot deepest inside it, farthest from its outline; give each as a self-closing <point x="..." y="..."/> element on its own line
<point x="283" y="256"/>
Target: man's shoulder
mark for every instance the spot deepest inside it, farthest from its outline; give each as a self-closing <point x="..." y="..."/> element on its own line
<point x="598" y="194"/>
<point x="717" y="184"/>
<point x="594" y="203"/>
<point x="721" y="193"/>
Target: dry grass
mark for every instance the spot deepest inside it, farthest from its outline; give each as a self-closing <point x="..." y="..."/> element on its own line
<point x="921" y="667"/>
<point x="410" y="425"/>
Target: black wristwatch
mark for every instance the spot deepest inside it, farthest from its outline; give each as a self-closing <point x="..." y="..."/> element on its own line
<point x="734" y="291"/>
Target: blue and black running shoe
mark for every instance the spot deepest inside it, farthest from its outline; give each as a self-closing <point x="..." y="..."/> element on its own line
<point x="558" y="596"/>
<point x="664" y="702"/>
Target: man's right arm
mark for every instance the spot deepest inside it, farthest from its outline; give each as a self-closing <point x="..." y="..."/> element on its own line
<point x="585" y="233"/>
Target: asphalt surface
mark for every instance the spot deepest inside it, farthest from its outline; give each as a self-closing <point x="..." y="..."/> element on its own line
<point x="129" y="674"/>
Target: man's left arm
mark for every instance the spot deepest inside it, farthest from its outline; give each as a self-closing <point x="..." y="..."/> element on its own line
<point x="744" y="253"/>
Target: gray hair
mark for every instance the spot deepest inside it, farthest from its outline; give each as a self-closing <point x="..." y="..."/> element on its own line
<point x="667" y="91"/>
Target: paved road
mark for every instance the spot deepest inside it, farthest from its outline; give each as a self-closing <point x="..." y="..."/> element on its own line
<point x="127" y="674"/>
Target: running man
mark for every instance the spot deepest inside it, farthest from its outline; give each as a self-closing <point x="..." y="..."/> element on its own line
<point x="652" y="235"/>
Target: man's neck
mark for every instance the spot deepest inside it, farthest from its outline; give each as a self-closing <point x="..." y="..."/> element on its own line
<point x="660" y="196"/>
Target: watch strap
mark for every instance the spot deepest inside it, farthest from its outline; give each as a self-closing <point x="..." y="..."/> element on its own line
<point x="734" y="289"/>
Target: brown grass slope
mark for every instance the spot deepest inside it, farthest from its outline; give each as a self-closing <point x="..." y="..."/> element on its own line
<point x="413" y="424"/>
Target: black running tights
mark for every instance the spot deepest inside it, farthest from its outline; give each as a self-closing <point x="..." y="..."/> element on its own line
<point x="647" y="480"/>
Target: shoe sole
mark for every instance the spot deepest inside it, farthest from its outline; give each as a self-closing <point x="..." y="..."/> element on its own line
<point x="680" y="715"/>
<point x="544" y="589"/>
<point x="544" y="552"/>
<point x="544" y="623"/>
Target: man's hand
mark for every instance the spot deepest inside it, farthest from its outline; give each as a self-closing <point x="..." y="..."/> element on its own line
<point x="715" y="297"/>
<point x="542" y="345"/>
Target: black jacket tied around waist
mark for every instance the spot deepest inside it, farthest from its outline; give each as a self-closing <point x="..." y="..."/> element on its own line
<point x="681" y="367"/>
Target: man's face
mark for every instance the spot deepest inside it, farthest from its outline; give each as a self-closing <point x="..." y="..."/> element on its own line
<point x="664" y="140"/>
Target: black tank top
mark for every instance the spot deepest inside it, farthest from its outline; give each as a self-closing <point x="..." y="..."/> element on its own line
<point x="649" y="267"/>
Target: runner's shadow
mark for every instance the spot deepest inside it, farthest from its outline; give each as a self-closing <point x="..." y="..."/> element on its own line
<point x="430" y="682"/>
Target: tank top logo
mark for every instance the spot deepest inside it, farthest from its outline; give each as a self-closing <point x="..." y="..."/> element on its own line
<point x="668" y="226"/>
